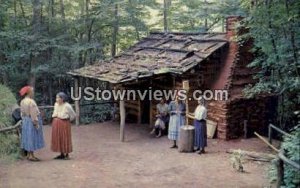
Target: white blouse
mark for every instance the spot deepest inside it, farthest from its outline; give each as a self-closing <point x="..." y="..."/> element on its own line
<point x="29" y="108"/>
<point x="200" y="112"/>
<point x="64" y="111"/>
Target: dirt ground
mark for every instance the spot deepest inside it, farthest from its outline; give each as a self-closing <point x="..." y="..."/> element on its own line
<point x="101" y="160"/>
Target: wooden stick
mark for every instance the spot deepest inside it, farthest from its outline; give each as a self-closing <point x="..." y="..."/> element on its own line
<point x="254" y="155"/>
<point x="266" y="142"/>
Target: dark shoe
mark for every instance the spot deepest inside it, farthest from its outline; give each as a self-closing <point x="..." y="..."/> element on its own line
<point x="198" y="149"/>
<point x="66" y="157"/>
<point x="59" y="157"/>
<point x="174" y="146"/>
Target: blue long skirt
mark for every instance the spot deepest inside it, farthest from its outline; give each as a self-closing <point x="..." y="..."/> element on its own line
<point x="31" y="139"/>
<point x="200" y="134"/>
<point x="176" y="121"/>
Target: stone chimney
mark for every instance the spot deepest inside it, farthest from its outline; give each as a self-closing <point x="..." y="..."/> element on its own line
<point x="231" y="22"/>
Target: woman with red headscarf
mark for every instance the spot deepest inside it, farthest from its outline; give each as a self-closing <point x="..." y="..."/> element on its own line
<point x="32" y="126"/>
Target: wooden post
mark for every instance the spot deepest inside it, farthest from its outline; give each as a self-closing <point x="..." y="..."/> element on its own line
<point x="280" y="172"/>
<point x="185" y="86"/>
<point x="150" y="115"/>
<point x="150" y="110"/>
<point x="77" y="106"/>
<point x="122" y="120"/>
<point x="139" y="118"/>
<point x="270" y="134"/>
<point x="245" y="129"/>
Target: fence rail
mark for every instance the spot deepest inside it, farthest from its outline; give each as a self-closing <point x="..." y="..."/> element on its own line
<point x="271" y="127"/>
<point x="281" y="158"/>
<point x="7" y="129"/>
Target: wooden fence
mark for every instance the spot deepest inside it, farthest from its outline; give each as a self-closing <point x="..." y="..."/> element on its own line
<point x="281" y="159"/>
<point x="17" y="125"/>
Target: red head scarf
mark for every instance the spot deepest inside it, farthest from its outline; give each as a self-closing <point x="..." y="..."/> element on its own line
<point x="24" y="90"/>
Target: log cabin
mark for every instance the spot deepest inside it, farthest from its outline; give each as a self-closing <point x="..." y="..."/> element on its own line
<point x="209" y="61"/>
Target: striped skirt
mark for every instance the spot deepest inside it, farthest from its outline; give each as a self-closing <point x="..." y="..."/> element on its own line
<point x="32" y="138"/>
<point x="61" y="136"/>
<point x="200" y="134"/>
<point x="176" y="121"/>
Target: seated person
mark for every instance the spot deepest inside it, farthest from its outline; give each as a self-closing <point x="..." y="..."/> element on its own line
<point x="162" y="118"/>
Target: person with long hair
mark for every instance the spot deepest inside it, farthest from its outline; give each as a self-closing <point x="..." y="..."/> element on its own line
<point x="32" y="137"/>
<point x="62" y="116"/>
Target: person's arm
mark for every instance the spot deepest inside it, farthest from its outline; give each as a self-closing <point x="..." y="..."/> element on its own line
<point x="71" y="112"/>
<point x="34" y="112"/>
<point x="55" y="112"/>
<point x="190" y="115"/>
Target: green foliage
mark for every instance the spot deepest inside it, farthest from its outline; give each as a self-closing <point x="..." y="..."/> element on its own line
<point x="291" y="145"/>
<point x="9" y="143"/>
<point x="9" y="146"/>
<point x="7" y="100"/>
<point x="274" y="27"/>
<point x="95" y="113"/>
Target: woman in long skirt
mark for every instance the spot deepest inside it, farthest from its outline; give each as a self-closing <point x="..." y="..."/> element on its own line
<point x="199" y="117"/>
<point x="177" y="119"/>
<point x="32" y="137"/>
<point x="61" y="127"/>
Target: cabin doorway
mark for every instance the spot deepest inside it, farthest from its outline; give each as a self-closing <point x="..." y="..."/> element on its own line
<point x="145" y="103"/>
<point x="145" y="111"/>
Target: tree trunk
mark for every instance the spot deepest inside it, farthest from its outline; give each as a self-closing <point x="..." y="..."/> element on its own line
<point x="23" y="12"/>
<point x="292" y="36"/>
<point x="205" y="12"/>
<point x="36" y="27"/>
<point x="36" y="18"/>
<point x="115" y="31"/>
<point x="62" y="10"/>
<point x="166" y="15"/>
<point x="133" y="20"/>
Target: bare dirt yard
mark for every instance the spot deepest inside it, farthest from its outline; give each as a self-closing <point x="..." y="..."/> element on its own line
<point x="101" y="160"/>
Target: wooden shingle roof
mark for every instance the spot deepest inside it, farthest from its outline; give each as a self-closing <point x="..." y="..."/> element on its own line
<point x="158" y="53"/>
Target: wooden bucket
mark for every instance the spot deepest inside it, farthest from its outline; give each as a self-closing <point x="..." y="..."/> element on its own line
<point x="186" y="139"/>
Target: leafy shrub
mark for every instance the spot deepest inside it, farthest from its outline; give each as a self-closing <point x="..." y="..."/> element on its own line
<point x="9" y="142"/>
<point x="95" y="113"/>
<point x="7" y="101"/>
<point x="291" y="145"/>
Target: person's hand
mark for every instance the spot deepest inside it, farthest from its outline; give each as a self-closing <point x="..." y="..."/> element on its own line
<point x="36" y="124"/>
